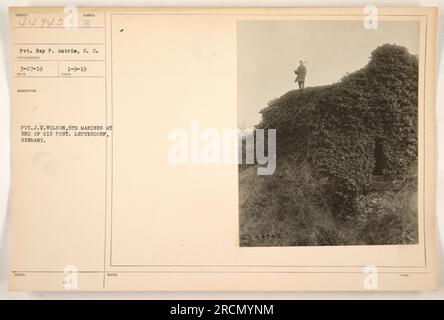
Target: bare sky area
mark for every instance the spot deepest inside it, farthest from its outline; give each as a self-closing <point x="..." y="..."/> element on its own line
<point x="269" y="52"/>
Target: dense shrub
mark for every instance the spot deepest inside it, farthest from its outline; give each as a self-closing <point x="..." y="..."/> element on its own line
<point x="387" y="217"/>
<point x="334" y="128"/>
<point x="290" y="210"/>
<point x="287" y="209"/>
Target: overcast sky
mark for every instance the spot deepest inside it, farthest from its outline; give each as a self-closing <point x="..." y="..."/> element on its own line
<point x="269" y="52"/>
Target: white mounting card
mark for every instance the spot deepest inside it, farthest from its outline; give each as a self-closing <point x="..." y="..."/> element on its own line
<point x="125" y="172"/>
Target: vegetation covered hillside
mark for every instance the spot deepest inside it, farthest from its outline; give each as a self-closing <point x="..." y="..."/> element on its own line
<point x="321" y="192"/>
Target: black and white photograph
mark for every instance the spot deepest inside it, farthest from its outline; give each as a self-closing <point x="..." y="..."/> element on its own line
<point x="343" y="99"/>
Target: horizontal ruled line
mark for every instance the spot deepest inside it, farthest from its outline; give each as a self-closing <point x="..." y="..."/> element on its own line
<point x="58" y="43"/>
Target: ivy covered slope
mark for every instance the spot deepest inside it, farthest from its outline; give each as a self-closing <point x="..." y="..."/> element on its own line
<point x="334" y="127"/>
<point x="321" y="192"/>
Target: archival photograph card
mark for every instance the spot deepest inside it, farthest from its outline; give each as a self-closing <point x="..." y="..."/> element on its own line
<point x="225" y="149"/>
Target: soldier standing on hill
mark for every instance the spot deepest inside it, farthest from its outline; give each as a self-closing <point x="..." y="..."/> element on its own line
<point x="301" y="71"/>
